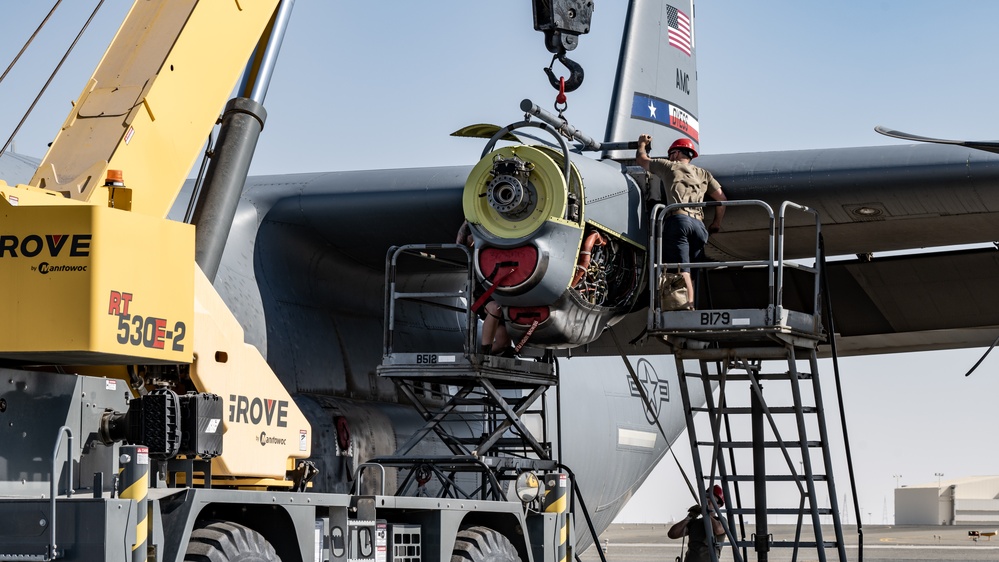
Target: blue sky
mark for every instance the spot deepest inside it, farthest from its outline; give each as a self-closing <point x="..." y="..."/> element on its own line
<point x="362" y="85"/>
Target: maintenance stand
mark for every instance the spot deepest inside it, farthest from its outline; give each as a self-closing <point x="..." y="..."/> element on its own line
<point x="729" y="350"/>
<point x="475" y="404"/>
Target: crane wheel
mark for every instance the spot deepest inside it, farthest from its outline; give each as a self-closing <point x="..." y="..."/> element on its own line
<point x="482" y="544"/>
<point x="222" y="541"/>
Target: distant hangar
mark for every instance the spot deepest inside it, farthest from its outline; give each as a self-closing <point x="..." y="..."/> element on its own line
<point x="964" y="501"/>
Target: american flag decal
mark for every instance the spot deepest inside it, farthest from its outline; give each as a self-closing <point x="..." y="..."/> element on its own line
<point x="679" y="29"/>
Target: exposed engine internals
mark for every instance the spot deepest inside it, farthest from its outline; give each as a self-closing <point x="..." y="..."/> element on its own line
<point x="609" y="271"/>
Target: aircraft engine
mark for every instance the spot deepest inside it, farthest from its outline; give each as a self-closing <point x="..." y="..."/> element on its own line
<point x="562" y="242"/>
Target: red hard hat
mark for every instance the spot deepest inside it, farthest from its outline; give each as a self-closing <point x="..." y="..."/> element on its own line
<point x="719" y="495"/>
<point x="685" y="144"/>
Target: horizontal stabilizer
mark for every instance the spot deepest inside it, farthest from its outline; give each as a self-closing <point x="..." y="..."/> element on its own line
<point x="987" y="146"/>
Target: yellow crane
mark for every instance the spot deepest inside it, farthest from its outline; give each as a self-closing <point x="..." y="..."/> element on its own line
<point x="103" y="283"/>
<point x="124" y="375"/>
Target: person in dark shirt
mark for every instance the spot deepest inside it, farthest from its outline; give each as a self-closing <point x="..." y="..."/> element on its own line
<point x="698" y="546"/>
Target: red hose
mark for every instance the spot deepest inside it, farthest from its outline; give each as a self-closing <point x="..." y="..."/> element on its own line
<point x="594" y="239"/>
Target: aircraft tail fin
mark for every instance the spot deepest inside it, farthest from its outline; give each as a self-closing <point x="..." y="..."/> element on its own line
<point x="655" y="91"/>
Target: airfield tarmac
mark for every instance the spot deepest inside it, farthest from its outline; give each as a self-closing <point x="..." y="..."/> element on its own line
<point x="648" y="543"/>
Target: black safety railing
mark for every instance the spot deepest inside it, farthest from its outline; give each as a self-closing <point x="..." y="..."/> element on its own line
<point x="428" y="287"/>
<point x="446" y="256"/>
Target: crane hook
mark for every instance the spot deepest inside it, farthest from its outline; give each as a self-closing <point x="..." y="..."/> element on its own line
<point x="575" y="73"/>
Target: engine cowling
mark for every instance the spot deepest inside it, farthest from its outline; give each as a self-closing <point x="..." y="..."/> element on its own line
<point x="567" y="255"/>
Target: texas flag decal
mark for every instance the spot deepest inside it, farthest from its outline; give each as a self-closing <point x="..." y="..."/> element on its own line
<point x="662" y="112"/>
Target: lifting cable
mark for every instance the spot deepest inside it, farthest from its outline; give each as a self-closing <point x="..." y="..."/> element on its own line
<point x="586" y="514"/>
<point x="839" y="395"/>
<point x="30" y="40"/>
<point x="572" y="476"/>
<point x="648" y="404"/>
<point x="51" y="76"/>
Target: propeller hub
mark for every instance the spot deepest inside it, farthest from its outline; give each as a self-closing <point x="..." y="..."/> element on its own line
<point x="510" y="192"/>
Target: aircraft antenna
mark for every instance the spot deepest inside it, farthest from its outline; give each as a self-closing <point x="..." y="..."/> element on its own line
<point x="984" y="355"/>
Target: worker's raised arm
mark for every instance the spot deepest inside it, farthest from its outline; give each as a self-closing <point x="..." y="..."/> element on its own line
<point x="641" y="156"/>
<point x="678" y="529"/>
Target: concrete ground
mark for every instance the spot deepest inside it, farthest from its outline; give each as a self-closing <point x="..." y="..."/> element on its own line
<point x="648" y="543"/>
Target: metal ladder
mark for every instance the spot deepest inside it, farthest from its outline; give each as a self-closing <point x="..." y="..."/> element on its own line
<point x="781" y="447"/>
<point x="752" y="441"/>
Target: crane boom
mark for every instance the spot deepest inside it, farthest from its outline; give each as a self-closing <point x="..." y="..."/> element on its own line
<point x="188" y="443"/>
<point x="129" y="300"/>
<point x="153" y="100"/>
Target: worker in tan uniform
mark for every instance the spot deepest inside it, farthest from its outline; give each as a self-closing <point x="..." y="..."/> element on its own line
<point x="684" y="233"/>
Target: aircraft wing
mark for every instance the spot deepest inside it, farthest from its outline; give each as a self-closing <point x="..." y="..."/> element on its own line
<point x="940" y="300"/>
<point x="922" y="196"/>
<point x="871" y="200"/>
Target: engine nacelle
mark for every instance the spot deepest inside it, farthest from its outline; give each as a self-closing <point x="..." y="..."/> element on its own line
<point x="567" y="257"/>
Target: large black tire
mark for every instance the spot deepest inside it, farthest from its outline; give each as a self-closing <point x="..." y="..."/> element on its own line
<point x="221" y="541"/>
<point x="482" y="544"/>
